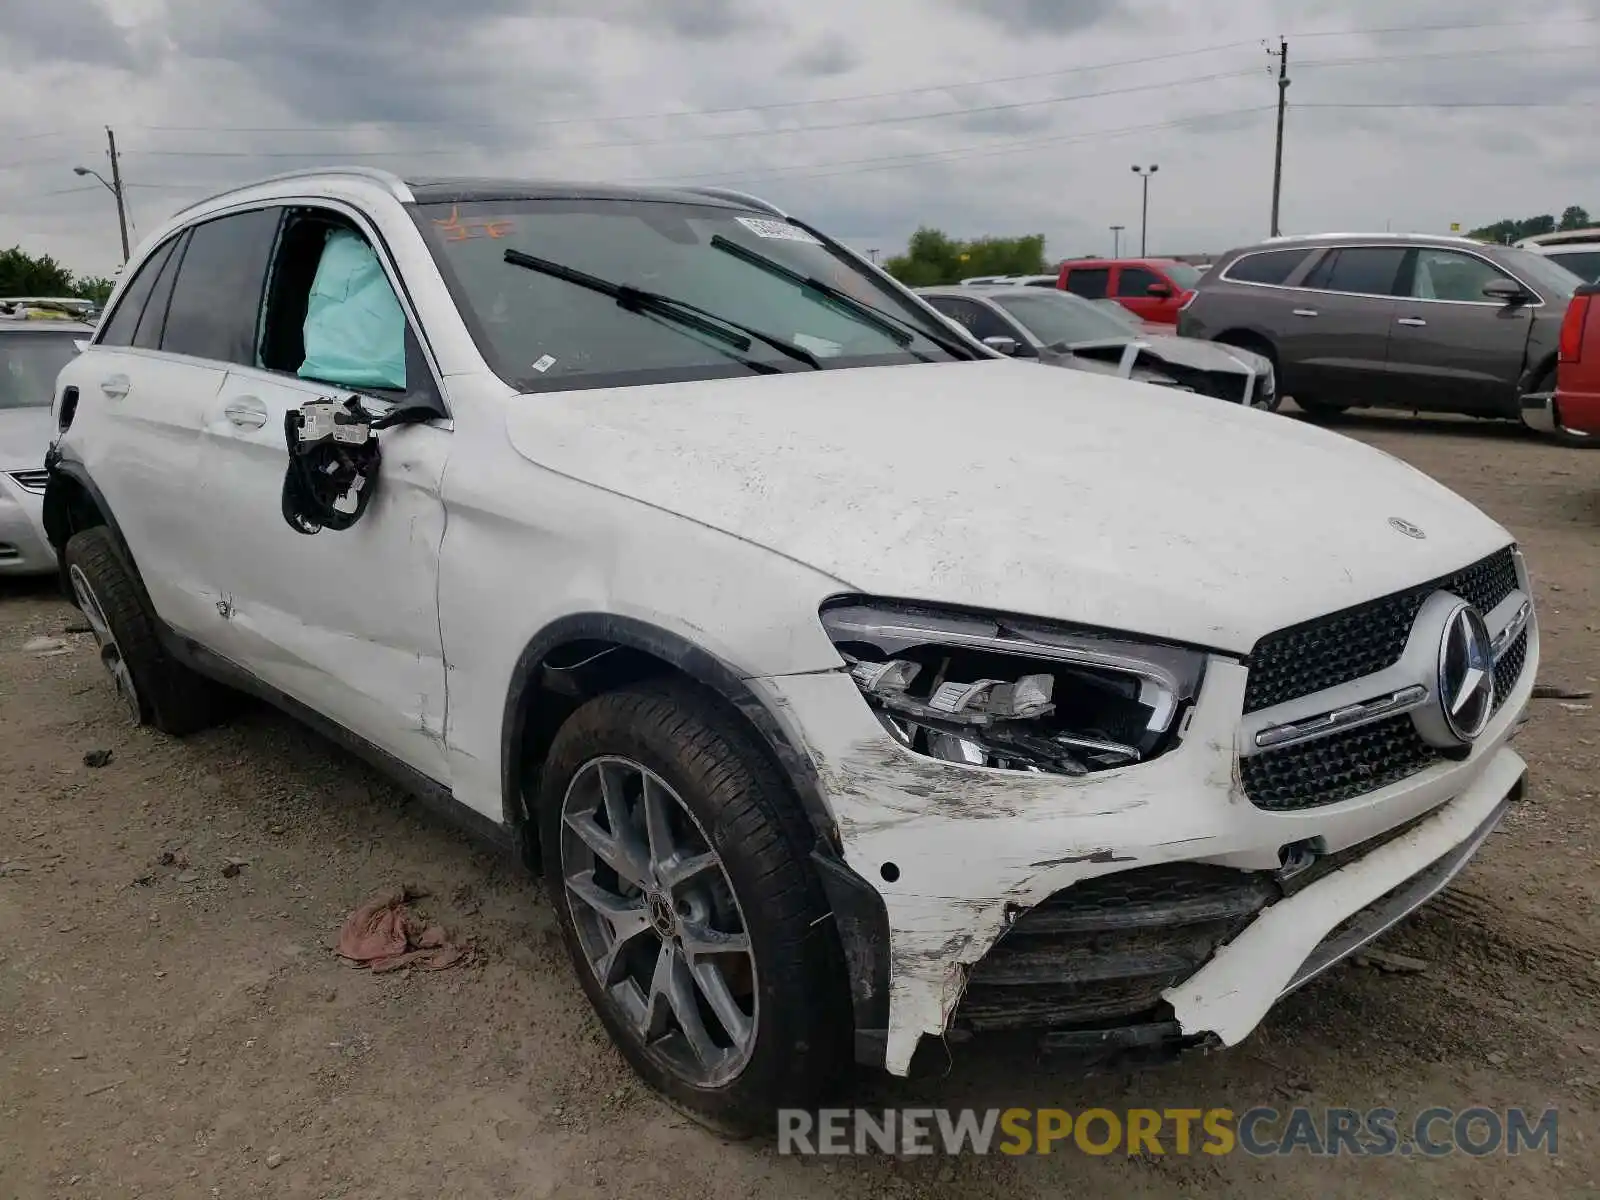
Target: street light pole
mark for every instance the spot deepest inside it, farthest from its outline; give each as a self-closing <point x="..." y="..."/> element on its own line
<point x="1116" y="240"/>
<point x="1144" y="174"/>
<point x="114" y="187"/>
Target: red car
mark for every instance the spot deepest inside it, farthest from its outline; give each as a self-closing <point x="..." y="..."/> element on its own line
<point x="1153" y="289"/>
<point x="1572" y="411"/>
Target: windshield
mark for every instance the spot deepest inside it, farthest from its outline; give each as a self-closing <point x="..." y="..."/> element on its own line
<point x="1583" y="263"/>
<point x="1058" y="318"/>
<point x="1549" y="277"/>
<point x="29" y="364"/>
<point x="1183" y="275"/>
<point x="576" y="293"/>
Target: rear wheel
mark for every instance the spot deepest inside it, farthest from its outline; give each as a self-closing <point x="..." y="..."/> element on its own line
<point x="677" y="866"/>
<point x="152" y="688"/>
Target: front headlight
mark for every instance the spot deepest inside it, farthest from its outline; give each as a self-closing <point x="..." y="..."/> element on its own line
<point x="1014" y="693"/>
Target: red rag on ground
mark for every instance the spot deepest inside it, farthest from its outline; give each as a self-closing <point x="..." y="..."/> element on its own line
<point x="383" y="935"/>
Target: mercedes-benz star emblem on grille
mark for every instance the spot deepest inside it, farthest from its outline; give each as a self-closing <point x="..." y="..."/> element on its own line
<point x="1406" y="527"/>
<point x="1466" y="673"/>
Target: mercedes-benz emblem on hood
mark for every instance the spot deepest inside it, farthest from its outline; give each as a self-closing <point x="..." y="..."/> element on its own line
<point x="1406" y="527"/>
<point x="1466" y="673"/>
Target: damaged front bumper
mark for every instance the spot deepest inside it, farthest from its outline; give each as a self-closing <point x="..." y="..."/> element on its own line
<point x="1148" y="904"/>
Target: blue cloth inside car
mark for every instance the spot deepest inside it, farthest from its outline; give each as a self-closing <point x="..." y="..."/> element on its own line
<point x="354" y="329"/>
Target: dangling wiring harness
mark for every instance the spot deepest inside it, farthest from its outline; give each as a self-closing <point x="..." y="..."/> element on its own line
<point x="333" y="460"/>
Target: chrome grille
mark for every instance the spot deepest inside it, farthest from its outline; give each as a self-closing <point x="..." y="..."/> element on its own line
<point x="31" y="481"/>
<point x="1345" y="645"/>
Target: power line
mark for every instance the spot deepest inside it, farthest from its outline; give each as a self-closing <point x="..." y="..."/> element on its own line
<point x="1462" y="104"/>
<point x="1448" y="28"/>
<point x="722" y="135"/>
<point x="1479" y="53"/>
<point x="715" y="112"/>
<point x="879" y="162"/>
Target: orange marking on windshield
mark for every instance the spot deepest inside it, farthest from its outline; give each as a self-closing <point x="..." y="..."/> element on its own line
<point x="454" y="229"/>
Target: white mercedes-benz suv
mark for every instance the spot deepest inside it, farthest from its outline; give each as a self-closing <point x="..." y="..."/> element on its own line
<point x="852" y="686"/>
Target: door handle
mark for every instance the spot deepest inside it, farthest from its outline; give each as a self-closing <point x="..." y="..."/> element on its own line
<point x="1411" y="321"/>
<point x="1305" y="312"/>
<point x="116" y="387"/>
<point x="246" y="411"/>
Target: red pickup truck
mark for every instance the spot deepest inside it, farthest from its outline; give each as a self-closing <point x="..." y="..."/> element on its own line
<point x="1572" y="411"/>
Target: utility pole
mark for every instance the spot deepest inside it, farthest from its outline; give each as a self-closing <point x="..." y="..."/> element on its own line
<point x="873" y="255"/>
<point x="1144" y="216"/>
<point x="1116" y="240"/>
<point x="1282" y="55"/>
<point x="114" y="187"/>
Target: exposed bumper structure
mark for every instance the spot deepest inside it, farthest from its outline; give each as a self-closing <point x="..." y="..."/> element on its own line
<point x="1023" y="900"/>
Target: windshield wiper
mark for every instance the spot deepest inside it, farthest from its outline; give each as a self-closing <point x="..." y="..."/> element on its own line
<point x="890" y="325"/>
<point x="725" y="329"/>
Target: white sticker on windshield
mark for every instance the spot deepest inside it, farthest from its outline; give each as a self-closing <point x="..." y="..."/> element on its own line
<point x="544" y="363"/>
<point x="779" y="230"/>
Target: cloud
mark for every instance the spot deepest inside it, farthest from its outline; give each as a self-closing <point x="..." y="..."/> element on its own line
<point x="831" y="55"/>
<point x="862" y="118"/>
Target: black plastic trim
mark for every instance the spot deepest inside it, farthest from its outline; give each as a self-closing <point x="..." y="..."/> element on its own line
<point x="863" y="924"/>
<point x="694" y="661"/>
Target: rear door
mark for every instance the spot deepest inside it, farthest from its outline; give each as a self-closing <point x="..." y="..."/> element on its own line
<point x="1451" y="348"/>
<point x="1092" y="283"/>
<point x="1333" y="329"/>
<point x="148" y="400"/>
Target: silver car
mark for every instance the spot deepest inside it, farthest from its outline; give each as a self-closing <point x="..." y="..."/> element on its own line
<point x="1063" y="330"/>
<point x="32" y="353"/>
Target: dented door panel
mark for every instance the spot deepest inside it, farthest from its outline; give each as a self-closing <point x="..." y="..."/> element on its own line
<point x="347" y="621"/>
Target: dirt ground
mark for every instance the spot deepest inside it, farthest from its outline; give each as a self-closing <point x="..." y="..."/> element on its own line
<point x="169" y="1030"/>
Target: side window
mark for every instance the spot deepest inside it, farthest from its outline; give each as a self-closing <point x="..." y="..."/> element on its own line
<point x="118" y="329"/>
<point x="1448" y="275"/>
<point x="1089" y="282"/>
<point x="1136" y="281"/>
<point x="1365" y="270"/>
<point x="154" y="320"/>
<point x="217" y="296"/>
<point x="333" y="316"/>
<point x="1273" y="266"/>
<point x="980" y="320"/>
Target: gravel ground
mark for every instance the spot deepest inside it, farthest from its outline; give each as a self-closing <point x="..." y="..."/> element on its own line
<point x="169" y="1029"/>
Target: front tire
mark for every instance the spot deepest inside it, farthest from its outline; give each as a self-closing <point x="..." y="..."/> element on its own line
<point x="1320" y="410"/>
<point x="152" y="688"/>
<point x="676" y="862"/>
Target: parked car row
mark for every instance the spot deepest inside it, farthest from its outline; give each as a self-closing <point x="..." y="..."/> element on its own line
<point x="1060" y="329"/>
<point x="855" y="687"/>
<point x="1430" y="324"/>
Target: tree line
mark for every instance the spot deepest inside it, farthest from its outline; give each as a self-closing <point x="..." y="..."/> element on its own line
<point x="1509" y="229"/>
<point x="24" y="274"/>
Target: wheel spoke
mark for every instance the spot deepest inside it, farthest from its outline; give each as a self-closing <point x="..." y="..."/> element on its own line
<point x="680" y="987"/>
<point x="657" y="824"/>
<point x="684" y="868"/>
<point x="609" y="849"/>
<point x="713" y="986"/>
<point x="701" y="939"/>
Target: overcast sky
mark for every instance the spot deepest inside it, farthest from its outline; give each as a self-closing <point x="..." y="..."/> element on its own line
<point x="868" y="117"/>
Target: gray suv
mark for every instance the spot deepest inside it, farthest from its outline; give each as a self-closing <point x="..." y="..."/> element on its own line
<point x="1433" y="324"/>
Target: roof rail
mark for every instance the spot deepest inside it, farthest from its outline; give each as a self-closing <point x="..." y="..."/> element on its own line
<point x="742" y="197"/>
<point x="396" y="186"/>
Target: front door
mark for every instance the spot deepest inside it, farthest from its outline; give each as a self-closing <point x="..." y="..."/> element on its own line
<point x="1452" y="349"/>
<point x="344" y="621"/>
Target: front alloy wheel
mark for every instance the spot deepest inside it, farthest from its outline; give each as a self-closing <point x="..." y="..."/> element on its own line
<point x="657" y="919"/>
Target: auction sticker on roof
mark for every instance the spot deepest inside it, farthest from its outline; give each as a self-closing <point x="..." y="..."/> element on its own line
<point x="780" y="230"/>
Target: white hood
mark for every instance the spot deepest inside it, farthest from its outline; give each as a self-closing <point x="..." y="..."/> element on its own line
<point x="1000" y="486"/>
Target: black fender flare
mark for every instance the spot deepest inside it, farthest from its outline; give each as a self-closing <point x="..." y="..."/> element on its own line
<point x="57" y="509"/>
<point x="694" y="661"/>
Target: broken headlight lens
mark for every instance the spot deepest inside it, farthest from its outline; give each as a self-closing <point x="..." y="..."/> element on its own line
<point x="1014" y="694"/>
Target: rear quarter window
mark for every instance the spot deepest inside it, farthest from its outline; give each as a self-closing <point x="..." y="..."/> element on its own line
<point x="1265" y="266"/>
